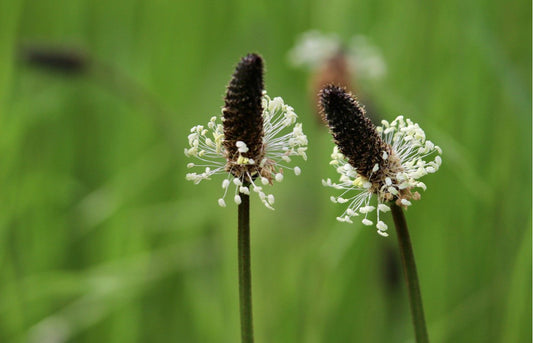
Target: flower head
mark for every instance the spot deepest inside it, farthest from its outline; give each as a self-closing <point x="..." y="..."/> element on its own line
<point x="385" y="161"/>
<point x="313" y="48"/>
<point x="256" y="139"/>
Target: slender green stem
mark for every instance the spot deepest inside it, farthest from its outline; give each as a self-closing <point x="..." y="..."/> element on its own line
<point x="245" y="274"/>
<point x="411" y="277"/>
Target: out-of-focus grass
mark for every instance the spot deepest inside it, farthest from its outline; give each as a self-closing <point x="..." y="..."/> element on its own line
<point x="102" y="239"/>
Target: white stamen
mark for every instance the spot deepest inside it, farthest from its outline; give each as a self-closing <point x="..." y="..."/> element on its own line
<point x="405" y="202"/>
<point x="241" y="146"/>
<point x="381" y="226"/>
<point x="366" y="209"/>
<point x="367" y="222"/>
<point x="383" y="233"/>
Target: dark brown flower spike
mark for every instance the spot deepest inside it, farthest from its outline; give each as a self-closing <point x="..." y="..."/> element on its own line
<point x="353" y="132"/>
<point x="242" y="113"/>
<point x="385" y="161"/>
<point x="255" y="141"/>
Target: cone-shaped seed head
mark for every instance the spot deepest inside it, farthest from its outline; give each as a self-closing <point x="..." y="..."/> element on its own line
<point x="353" y="132"/>
<point x="242" y="113"/>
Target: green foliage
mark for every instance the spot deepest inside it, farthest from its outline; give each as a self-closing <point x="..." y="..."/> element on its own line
<point x="103" y="240"/>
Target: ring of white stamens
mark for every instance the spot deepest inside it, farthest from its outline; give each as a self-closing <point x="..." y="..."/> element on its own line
<point x="409" y="146"/>
<point x="283" y="138"/>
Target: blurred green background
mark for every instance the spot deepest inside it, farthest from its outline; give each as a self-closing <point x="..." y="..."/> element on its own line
<point x="103" y="240"/>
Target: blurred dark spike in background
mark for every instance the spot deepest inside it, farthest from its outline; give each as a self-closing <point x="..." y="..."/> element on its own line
<point x="390" y="267"/>
<point x="70" y="61"/>
<point x="335" y="70"/>
<point x="67" y="61"/>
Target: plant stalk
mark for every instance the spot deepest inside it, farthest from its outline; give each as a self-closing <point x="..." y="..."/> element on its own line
<point x="245" y="274"/>
<point x="411" y="277"/>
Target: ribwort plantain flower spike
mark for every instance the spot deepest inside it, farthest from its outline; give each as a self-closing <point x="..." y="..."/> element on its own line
<point x="255" y="141"/>
<point x="385" y="161"/>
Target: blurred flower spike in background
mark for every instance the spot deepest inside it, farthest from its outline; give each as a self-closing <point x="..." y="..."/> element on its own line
<point x="272" y="139"/>
<point x="314" y="48"/>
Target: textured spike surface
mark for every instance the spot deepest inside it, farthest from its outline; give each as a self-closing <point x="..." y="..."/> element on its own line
<point x="353" y="132"/>
<point x="242" y="112"/>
